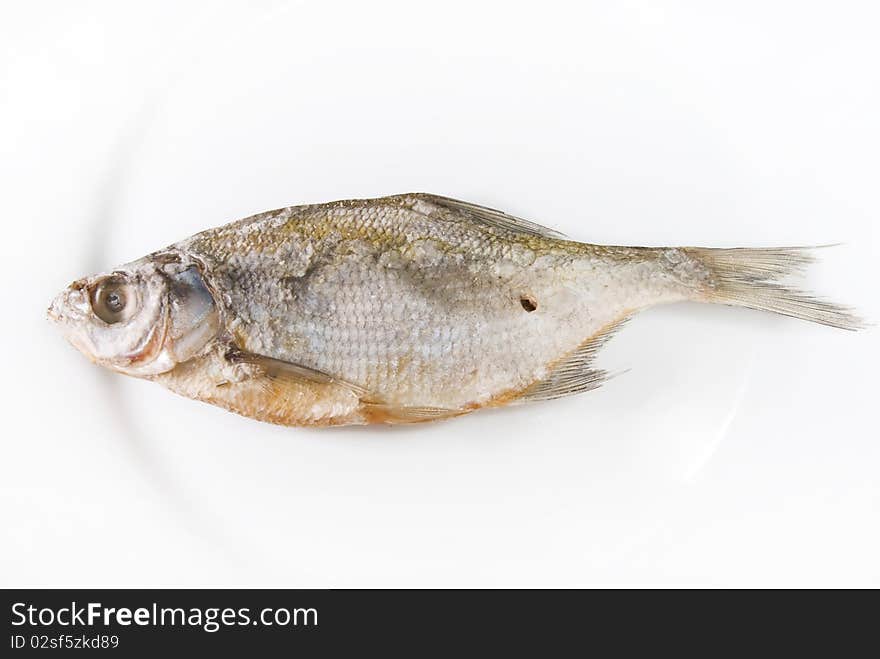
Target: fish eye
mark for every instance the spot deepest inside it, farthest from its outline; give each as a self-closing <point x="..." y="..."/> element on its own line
<point x="109" y="300"/>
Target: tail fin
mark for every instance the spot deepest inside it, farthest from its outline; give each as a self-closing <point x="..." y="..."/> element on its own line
<point x="752" y="278"/>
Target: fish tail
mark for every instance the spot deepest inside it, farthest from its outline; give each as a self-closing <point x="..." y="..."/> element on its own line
<point x="755" y="278"/>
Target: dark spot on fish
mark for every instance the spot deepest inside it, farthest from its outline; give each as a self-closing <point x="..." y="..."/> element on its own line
<point x="528" y="303"/>
<point x="234" y="356"/>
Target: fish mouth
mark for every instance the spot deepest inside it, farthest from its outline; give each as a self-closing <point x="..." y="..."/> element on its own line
<point x="53" y="313"/>
<point x="69" y="305"/>
<point x="68" y="311"/>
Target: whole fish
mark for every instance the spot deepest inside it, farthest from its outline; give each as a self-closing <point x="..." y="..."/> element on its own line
<point x="399" y="309"/>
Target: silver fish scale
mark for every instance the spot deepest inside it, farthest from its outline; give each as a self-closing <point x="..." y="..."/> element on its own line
<point x="412" y="301"/>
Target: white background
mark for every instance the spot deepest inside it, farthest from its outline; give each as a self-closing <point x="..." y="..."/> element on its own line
<point x="740" y="450"/>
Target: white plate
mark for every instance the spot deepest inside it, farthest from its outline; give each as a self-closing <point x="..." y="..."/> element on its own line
<point x="739" y="448"/>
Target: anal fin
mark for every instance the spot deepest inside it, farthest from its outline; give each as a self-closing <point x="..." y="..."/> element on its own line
<point x="574" y="374"/>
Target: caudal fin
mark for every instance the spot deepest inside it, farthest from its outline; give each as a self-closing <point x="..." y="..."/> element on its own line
<point x="754" y="278"/>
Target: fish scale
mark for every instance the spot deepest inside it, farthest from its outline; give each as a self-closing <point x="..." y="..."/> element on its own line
<point x="482" y="326"/>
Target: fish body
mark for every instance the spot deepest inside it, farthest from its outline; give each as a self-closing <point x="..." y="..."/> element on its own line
<point x="399" y="309"/>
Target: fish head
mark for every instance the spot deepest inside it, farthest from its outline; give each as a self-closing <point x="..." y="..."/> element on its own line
<point x="141" y="319"/>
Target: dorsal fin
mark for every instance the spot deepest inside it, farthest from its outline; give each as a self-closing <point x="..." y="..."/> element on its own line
<point x="491" y="217"/>
<point x="573" y="374"/>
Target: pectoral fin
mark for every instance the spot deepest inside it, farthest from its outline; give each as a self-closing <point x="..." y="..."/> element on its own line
<point x="307" y="392"/>
<point x="289" y="372"/>
<point x="285" y="393"/>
